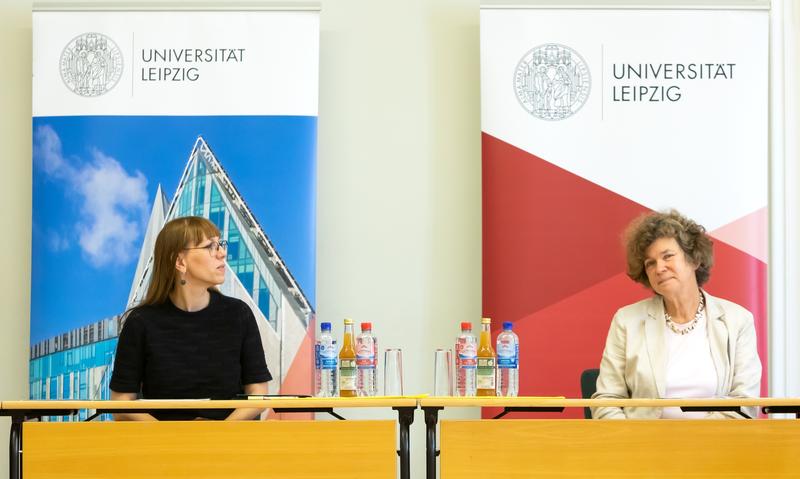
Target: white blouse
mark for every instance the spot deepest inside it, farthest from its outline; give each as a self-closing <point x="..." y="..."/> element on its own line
<point x="690" y="369"/>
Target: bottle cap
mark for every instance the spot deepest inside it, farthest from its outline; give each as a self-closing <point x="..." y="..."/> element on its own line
<point x="325" y="326"/>
<point x="466" y="325"/>
<point x="507" y="325"/>
<point x="486" y="320"/>
<point x="366" y="326"/>
<point x="348" y="321"/>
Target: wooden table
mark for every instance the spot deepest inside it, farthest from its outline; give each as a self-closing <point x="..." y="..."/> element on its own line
<point x="612" y="448"/>
<point x="193" y="449"/>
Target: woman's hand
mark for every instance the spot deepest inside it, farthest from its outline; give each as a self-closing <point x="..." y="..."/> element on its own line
<point x="245" y="414"/>
<point x="126" y="416"/>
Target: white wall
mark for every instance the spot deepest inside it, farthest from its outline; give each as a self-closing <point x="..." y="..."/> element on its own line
<point x="399" y="194"/>
<point x="15" y="196"/>
<point x="784" y="275"/>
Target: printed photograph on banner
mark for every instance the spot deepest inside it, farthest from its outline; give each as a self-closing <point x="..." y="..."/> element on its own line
<point x="103" y="186"/>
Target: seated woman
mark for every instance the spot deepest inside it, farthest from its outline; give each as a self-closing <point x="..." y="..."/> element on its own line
<point x="186" y="340"/>
<point x="682" y="342"/>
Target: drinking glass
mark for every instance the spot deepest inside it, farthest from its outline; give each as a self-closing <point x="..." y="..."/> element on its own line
<point x="442" y="372"/>
<point x="393" y="373"/>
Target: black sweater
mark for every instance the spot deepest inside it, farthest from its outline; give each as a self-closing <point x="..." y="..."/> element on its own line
<point x="168" y="353"/>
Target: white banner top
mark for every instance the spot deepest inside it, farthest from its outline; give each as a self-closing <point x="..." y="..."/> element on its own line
<point x="668" y="100"/>
<point x="160" y="63"/>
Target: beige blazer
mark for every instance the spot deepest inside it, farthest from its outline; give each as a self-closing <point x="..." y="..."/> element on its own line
<point x="634" y="360"/>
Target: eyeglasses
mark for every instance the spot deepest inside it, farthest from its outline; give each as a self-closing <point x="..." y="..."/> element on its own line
<point x="213" y="247"/>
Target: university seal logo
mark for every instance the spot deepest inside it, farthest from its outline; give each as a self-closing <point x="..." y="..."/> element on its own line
<point x="91" y="64"/>
<point x="552" y="82"/>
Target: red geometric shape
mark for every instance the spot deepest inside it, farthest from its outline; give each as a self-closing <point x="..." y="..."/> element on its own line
<point x="547" y="233"/>
<point x="748" y="233"/>
<point x="299" y="378"/>
<point x="553" y="263"/>
<point x="558" y="342"/>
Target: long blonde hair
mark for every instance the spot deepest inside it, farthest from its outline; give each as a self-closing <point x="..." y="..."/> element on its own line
<point x="174" y="237"/>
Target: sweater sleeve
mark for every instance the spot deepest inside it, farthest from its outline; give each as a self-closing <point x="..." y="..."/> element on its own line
<point x="254" y="365"/>
<point x="130" y="357"/>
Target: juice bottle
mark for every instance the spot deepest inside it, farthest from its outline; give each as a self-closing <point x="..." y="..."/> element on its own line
<point x="486" y="361"/>
<point x="347" y="362"/>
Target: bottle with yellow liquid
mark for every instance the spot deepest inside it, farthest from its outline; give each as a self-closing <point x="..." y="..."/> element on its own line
<point x="347" y="362"/>
<point x="486" y="361"/>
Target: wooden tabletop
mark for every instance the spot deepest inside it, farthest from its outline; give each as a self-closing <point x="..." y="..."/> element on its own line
<point x="442" y="401"/>
<point x="406" y="401"/>
<point x="290" y="403"/>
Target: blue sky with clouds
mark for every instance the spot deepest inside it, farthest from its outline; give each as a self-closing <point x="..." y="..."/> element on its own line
<point x="94" y="180"/>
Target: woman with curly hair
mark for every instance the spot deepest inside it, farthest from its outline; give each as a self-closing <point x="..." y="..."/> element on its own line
<point x="682" y="342"/>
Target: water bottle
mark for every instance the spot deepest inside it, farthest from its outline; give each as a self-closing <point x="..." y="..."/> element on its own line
<point x="466" y="361"/>
<point x="367" y="361"/>
<point x="317" y="367"/>
<point x="507" y="362"/>
<point x="326" y="362"/>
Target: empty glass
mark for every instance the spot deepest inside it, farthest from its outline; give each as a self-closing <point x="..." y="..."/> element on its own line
<point x="393" y="373"/>
<point x="442" y="372"/>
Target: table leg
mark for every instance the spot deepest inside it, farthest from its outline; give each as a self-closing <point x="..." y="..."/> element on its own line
<point x="15" y="448"/>
<point x="431" y="419"/>
<point x="405" y="416"/>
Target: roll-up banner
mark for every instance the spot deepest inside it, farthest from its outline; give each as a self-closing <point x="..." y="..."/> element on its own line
<point x="590" y="118"/>
<point x="142" y="117"/>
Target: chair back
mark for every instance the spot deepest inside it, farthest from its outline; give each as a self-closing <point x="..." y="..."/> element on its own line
<point x="588" y="387"/>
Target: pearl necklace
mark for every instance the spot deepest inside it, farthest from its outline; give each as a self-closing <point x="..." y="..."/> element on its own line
<point x="699" y="314"/>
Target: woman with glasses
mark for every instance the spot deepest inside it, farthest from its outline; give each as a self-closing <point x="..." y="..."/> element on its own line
<point x="186" y="340"/>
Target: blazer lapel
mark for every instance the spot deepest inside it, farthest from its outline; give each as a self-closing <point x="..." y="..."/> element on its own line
<point x="717" y="340"/>
<point x="656" y="349"/>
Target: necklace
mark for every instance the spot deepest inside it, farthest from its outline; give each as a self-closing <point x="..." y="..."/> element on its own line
<point x="699" y="314"/>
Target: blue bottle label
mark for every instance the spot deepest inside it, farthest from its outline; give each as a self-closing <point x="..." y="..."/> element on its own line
<point x="507" y="354"/>
<point x="328" y="357"/>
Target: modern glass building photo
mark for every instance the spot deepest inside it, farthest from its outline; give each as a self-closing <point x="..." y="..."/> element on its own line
<point x="77" y="364"/>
